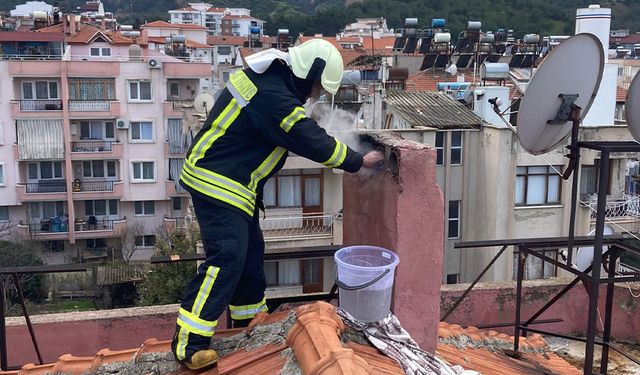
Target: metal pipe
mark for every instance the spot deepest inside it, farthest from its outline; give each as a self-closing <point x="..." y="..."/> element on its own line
<point x="521" y="263"/>
<point x="594" y="286"/>
<point x="3" y="329"/>
<point x="575" y="158"/>
<point x="502" y="325"/>
<point x="552" y="301"/>
<point x="466" y="292"/>
<point x="606" y="335"/>
<point x="26" y="317"/>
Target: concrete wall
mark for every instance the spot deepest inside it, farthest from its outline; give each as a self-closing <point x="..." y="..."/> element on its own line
<point x="401" y="209"/>
<point x="492" y="303"/>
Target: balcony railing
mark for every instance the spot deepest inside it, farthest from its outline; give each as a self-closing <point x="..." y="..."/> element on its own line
<point x="90" y="105"/>
<point x="33" y="105"/>
<point x="52" y="225"/>
<point x="20" y="56"/>
<point x="176" y="222"/>
<point x="626" y="206"/>
<point x="81" y="186"/>
<point x="298" y="226"/>
<point x="90" y="224"/>
<point x="53" y="186"/>
<point x="92" y="146"/>
<point x="181" y="104"/>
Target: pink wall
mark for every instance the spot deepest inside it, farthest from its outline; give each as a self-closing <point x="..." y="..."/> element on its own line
<point x="495" y="303"/>
<point x="403" y="212"/>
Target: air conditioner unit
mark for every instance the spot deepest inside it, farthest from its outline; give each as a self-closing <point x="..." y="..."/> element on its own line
<point x="154" y="64"/>
<point x="121" y="124"/>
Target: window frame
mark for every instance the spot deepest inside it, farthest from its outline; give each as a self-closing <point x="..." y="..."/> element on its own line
<point x="8" y="216"/>
<point x="142" y="180"/>
<point x="173" y="203"/>
<point x="39" y="169"/>
<point x="144" y="239"/>
<point x="550" y="172"/>
<point x="301" y="174"/>
<point x="3" y="174"/>
<point x="440" y="148"/>
<point x="107" y="208"/>
<point x="105" y="82"/>
<point x="141" y="140"/>
<point x="105" y="169"/>
<point x="460" y="147"/>
<point x="143" y="208"/>
<point x="138" y="99"/>
<point x="34" y="91"/>
<point x="104" y="125"/>
<point x="456" y="219"/>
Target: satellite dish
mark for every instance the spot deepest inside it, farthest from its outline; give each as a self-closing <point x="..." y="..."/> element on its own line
<point x="633" y="107"/>
<point x="574" y="67"/>
<point x="584" y="257"/>
<point x="203" y="102"/>
<point x="452" y="70"/>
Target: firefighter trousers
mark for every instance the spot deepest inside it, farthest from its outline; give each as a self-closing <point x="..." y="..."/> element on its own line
<point x="231" y="276"/>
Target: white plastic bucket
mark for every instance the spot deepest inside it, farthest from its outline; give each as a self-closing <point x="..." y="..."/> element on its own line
<point x="365" y="277"/>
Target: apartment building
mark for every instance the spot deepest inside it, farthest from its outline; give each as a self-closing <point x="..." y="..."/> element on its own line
<point x="95" y="127"/>
<point x="217" y="21"/>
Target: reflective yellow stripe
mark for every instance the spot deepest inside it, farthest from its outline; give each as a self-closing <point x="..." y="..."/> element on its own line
<point x="243" y="85"/>
<point x="218" y="193"/>
<point x="219" y="180"/>
<point x="296" y="115"/>
<point x="193" y="324"/>
<point x="266" y="167"/>
<point x="205" y="288"/>
<point x="217" y="130"/>
<point x="189" y="316"/>
<point x="338" y="156"/>
<point x="248" y="311"/>
<point x="183" y="339"/>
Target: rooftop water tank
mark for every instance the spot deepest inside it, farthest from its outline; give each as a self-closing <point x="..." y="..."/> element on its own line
<point x="283" y="32"/>
<point x="531" y="38"/>
<point x="175" y="38"/>
<point x="474" y="25"/>
<point x="351" y="78"/>
<point x="442" y="38"/>
<point x="487" y="38"/>
<point x="126" y="27"/>
<point x="410" y="22"/>
<point x="494" y="71"/>
<point x="255" y="30"/>
<point x="437" y="23"/>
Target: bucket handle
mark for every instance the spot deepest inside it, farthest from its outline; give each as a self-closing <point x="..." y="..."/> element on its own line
<point x="365" y="285"/>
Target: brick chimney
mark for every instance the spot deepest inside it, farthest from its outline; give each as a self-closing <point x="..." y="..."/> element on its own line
<point x="401" y="208"/>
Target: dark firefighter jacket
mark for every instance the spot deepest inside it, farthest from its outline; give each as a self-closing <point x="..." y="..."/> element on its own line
<point x="255" y="121"/>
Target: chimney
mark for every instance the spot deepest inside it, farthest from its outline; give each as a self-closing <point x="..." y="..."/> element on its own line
<point x="401" y="209"/>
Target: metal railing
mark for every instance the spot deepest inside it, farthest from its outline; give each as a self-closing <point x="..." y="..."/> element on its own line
<point x="92" y="146"/>
<point x="177" y="222"/>
<point x="181" y="104"/>
<point x="53" y="186"/>
<point x="298" y="226"/>
<point x="34" y="105"/>
<point x="84" y="186"/>
<point x="90" y="105"/>
<point x="53" y="225"/>
<point x="626" y="206"/>
<point x="30" y="57"/>
<point x="88" y="224"/>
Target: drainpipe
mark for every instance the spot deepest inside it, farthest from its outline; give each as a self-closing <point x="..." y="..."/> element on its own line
<point x="66" y="129"/>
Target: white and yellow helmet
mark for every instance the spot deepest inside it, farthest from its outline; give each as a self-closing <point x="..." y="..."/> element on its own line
<point x="318" y="60"/>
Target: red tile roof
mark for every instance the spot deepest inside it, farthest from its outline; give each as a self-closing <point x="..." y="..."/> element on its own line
<point x="215" y="10"/>
<point x="621" y="94"/>
<point x="630" y="39"/>
<point x="30" y="36"/>
<point x="87" y="34"/>
<point x="226" y="40"/>
<point x="314" y="338"/>
<point x="167" y="25"/>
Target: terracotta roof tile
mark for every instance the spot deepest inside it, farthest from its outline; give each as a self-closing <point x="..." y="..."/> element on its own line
<point x="621" y="94"/>
<point x="241" y="359"/>
<point x="226" y="40"/>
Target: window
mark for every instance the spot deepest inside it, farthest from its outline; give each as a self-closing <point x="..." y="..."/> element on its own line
<point x="2" y="181"/>
<point x="454" y="220"/>
<point x="140" y="90"/>
<point x="589" y="178"/>
<point x="100" y="51"/>
<point x="98" y="168"/>
<point x="145" y="241"/>
<point x="40" y="90"/>
<point x="311" y="275"/>
<point x="176" y="203"/>
<point x="143" y="171"/>
<point x="440" y="148"/>
<point x="456" y="148"/>
<point x="141" y="131"/>
<point x="44" y="170"/>
<point x="97" y="130"/>
<point x="91" y="89"/>
<point x="4" y="213"/>
<point x="537" y="185"/>
<point x="96" y="243"/>
<point x="283" y="273"/>
<point x="145" y="207"/>
<point x="620" y="72"/>
<point x="174" y="90"/>
<point x="453" y="278"/>
<point x="294" y="188"/>
<point x="46" y="210"/>
<point x="224" y="50"/>
<point x="535" y="268"/>
<point x="101" y="207"/>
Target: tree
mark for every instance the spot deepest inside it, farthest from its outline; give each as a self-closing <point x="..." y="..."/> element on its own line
<point x="20" y="255"/>
<point x="128" y="237"/>
<point x="165" y="284"/>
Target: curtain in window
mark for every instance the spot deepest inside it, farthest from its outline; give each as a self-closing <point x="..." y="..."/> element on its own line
<point x="175" y="169"/>
<point x="179" y="141"/>
<point x="289" y="191"/>
<point x="40" y="139"/>
<point x="289" y="272"/>
<point x="91" y="89"/>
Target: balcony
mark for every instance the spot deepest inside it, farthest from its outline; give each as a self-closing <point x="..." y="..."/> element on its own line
<point x="96" y="149"/>
<point x="92" y="109"/>
<point x="174" y="223"/>
<point x="43" y="190"/>
<point x="172" y="191"/>
<point x="87" y="189"/>
<point x="186" y="70"/>
<point x="175" y="150"/>
<point x="44" y="68"/>
<point x="36" y="108"/>
<point x="54" y="228"/>
<point x="93" y="227"/>
<point x="300" y="226"/>
<point x="93" y="68"/>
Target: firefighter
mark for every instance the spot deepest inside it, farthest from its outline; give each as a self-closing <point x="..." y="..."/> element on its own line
<point x="256" y="120"/>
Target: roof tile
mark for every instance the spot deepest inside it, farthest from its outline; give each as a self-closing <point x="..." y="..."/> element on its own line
<point x="69" y="364"/>
<point x="242" y="358"/>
